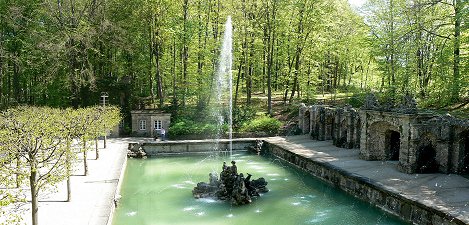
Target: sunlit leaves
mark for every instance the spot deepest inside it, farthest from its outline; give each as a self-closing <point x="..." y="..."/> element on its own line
<point x="35" y="145"/>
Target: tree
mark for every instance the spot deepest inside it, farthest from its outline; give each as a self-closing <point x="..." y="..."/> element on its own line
<point x="33" y="134"/>
<point x="36" y="145"/>
<point x="270" y="32"/>
<point x="64" y="53"/>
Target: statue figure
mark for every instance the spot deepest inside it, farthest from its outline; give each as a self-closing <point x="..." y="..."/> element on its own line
<point x="135" y="150"/>
<point x="257" y="148"/>
<point x="371" y="102"/>
<point x="240" y="195"/>
<point x="231" y="186"/>
<point x="234" y="169"/>
<point x="409" y="105"/>
<point x="213" y="179"/>
<point x="224" y="166"/>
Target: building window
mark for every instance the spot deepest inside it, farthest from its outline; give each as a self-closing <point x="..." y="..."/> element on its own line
<point x="157" y="125"/>
<point x="143" y="124"/>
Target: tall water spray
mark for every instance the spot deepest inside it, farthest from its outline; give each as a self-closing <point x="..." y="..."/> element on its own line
<point x="224" y="80"/>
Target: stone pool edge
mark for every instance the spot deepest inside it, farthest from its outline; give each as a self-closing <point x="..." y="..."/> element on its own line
<point x="117" y="192"/>
<point x="362" y="187"/>
<point x="365" y="189"/>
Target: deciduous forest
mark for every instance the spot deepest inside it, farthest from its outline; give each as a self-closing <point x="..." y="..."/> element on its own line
<point x="56" y="55"/>
<point x="163" y="53"/>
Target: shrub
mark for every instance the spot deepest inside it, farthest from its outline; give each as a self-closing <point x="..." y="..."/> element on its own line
<point x="189" y="127"/>
<point x="357" y="99"/>
<point x="242" y="114"/>
<point x="263" y="124"/>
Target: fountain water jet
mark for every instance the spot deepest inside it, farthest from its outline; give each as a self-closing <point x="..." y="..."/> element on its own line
<point x="224" y="80"/>
<point x="231" y="185"/>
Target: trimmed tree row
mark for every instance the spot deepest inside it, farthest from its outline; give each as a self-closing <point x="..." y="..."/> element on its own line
<point x="36" y="150"/>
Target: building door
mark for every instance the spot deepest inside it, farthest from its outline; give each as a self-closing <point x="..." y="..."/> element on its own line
<point x="157" y="125"/>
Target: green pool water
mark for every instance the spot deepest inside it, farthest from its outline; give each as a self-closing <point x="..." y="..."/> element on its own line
<point x="158" y="191"/>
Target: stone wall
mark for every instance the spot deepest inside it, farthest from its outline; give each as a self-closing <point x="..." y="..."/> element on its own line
<point x="341" y="125"/>
<point x="420" y="142"/>
<point x="194" y="146"/>
<point x="366" y="190"/>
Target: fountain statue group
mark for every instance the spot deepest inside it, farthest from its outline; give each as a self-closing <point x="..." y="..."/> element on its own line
<point x="231" y="186"/>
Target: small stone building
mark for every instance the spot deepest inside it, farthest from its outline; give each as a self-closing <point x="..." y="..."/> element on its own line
<point x="149" y="122"/>
<point x="418" y="142"/>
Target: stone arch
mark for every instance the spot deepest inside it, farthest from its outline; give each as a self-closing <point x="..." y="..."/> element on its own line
<point x="463" y="142"/>
<point x="307" y="122"/>
<point x="383" y="141"/>
<point x="426" y="155"/>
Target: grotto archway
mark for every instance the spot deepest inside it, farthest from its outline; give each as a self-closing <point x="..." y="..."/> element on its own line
<point x="392" y="145"/>
<point x="383" y="141"/>
<point x="426" y="160"/>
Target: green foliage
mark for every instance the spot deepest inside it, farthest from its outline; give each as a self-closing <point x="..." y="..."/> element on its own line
<point x="291" y="111"/>
<point x="188" y="127"/>
<point x="135" y="49"/>
<point x="35" y="145"/>
<point x="266" y="124"/>
<point x="242" y="114"/>
<point x="310" y="96"/>
<point x="416" y="56"/>
<point x="357" y="99"/>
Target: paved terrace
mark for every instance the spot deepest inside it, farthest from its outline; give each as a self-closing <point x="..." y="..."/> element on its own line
<point x="448" y="193"/>
<point x="92" y="196"/>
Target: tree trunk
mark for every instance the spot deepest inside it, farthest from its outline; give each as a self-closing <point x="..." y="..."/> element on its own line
<point x="271" y="42"/>
<point x="235" y="100"/>
<point x="200" y="58"/>
<point x="34" y="192"/>
<point x="68" y="168"/>
<point x="150" y="74"/>
<point x="249" y="70"/>
<point x="16" y="79"/>
<point x="290" y="61"/>
<point x="159" y="79"/>
<point x="295" y="77"/>
<point x="215" y="50"/>
<point x="244" y="45"/>
<point x="174" y="84"/>
<point x="96" y="148"/>
<point x="185" y="51"/>
<point x="299" y="49"/>
<point x="265" y="57"/>
<point x="367" y="72"/>
<point x="85" y="163"/>
<point x="456" y="86"/>
<point x="276" y="67"/>
<point x="393" y="72"/>
<point x="18" y="160"/>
